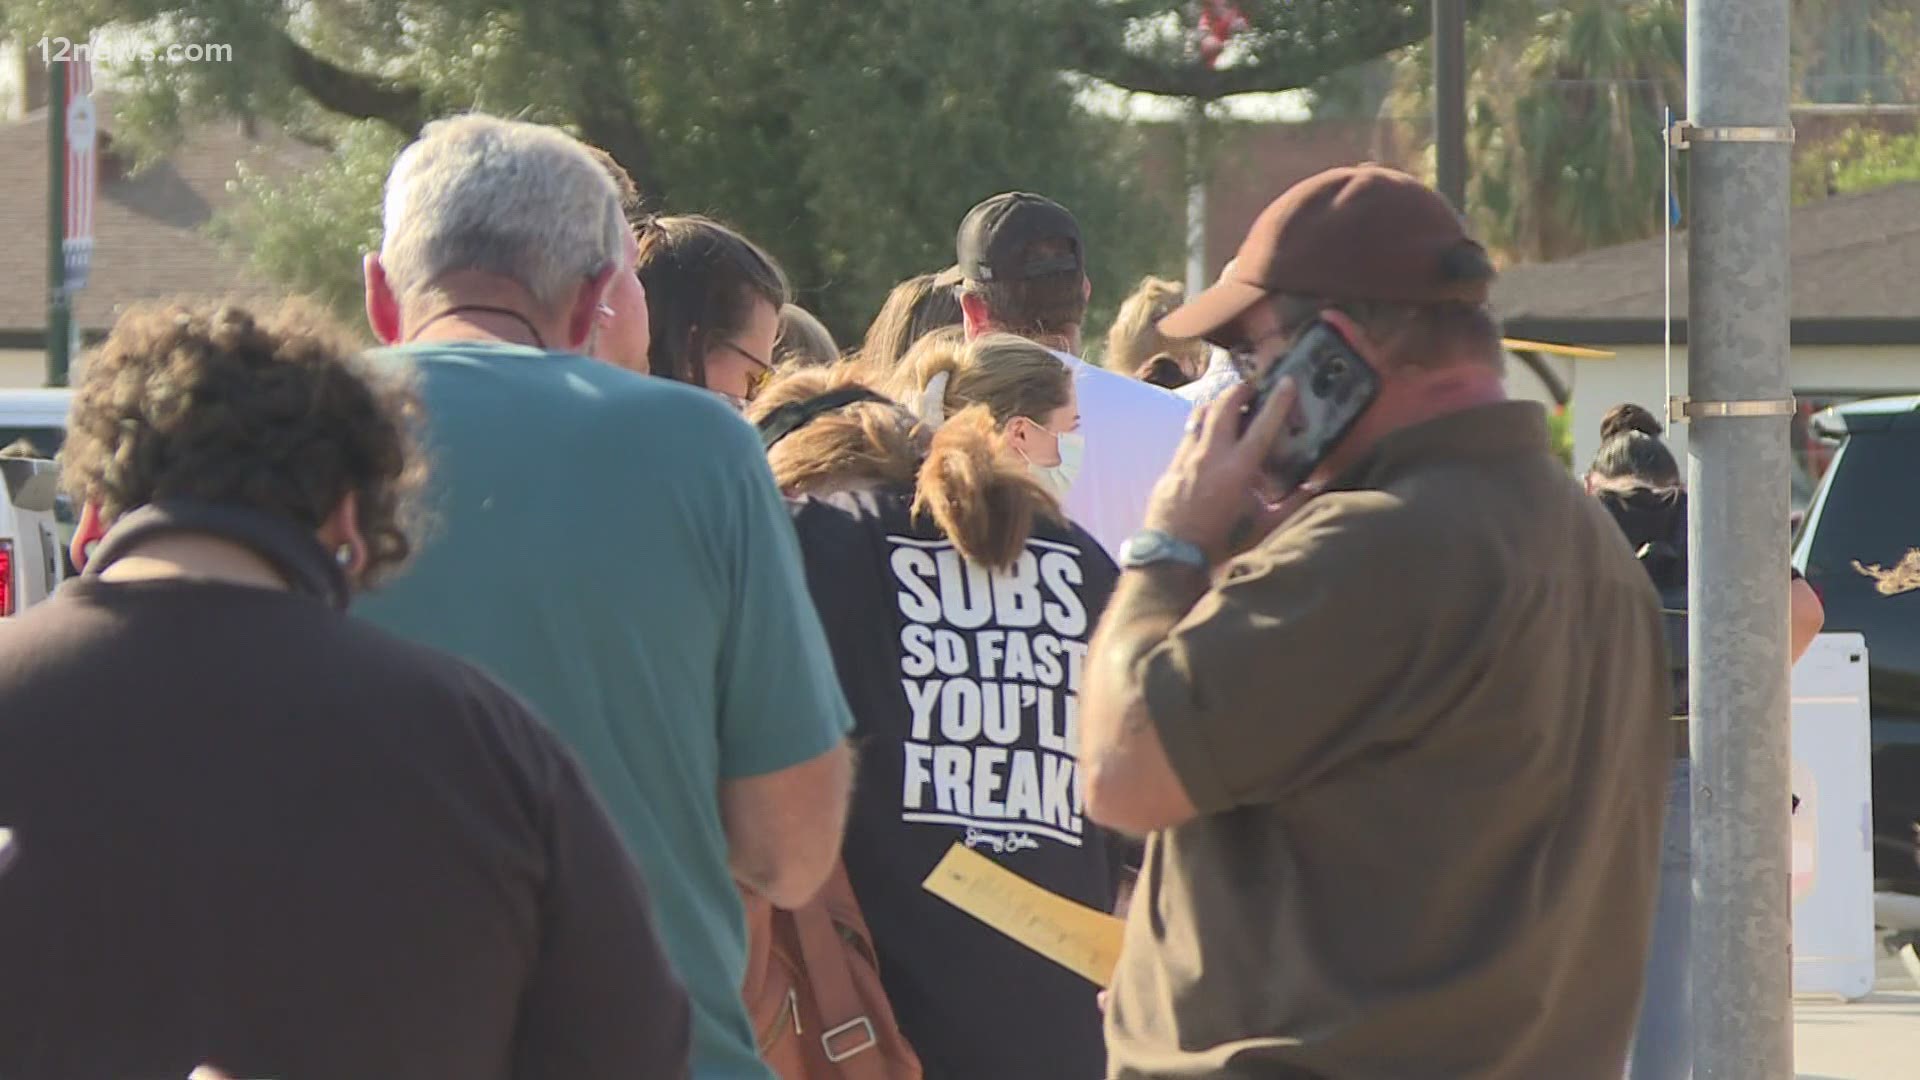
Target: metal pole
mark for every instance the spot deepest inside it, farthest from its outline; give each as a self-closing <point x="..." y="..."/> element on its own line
<point x="59" y="314"/>
<point x="1450" y="100"/>
<point x="1196" y="197"/>
<point x="1738" y="336"/>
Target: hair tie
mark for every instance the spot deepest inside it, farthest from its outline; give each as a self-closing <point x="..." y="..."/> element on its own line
<point x="933" y="400"/>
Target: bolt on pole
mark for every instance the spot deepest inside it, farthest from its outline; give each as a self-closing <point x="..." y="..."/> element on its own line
<point x="1739" y="138"/>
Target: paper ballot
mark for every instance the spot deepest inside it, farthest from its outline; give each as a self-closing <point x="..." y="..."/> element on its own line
<point x="1071" y="934"/>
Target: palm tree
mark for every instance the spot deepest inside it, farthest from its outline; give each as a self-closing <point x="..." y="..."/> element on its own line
<point x="1564" y="112"/>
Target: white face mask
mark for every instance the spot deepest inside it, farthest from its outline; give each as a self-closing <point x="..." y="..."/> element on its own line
<point x="1059" y="478"/>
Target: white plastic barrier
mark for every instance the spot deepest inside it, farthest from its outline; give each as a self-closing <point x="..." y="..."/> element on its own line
<point x="1833" y="936"/>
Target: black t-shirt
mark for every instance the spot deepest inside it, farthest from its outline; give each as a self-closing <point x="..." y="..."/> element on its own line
<point x="256" y="833"/>
<point x="964" y="690"/>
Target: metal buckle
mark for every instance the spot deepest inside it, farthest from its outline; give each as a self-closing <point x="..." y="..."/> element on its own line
<point x="1682" y="409"/>
<point x="858" y="1022"/>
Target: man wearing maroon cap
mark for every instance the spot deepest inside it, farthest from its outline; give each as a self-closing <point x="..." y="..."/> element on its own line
<point x="1399" y="739"/>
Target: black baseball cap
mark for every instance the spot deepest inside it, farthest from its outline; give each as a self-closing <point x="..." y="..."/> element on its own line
<point x="994" y="236"/>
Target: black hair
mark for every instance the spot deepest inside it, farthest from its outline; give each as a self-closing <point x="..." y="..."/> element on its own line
<point x="1637" y="457"/>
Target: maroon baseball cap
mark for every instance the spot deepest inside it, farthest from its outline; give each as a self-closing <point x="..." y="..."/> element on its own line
<point x="1360" y="232"/>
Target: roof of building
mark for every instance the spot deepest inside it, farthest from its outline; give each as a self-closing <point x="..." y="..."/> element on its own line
<point x="150" y="236"/>
<point x="1855" y="262"/>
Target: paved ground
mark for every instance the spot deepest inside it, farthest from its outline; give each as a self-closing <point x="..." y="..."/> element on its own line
<point x="1876" y="1038"/>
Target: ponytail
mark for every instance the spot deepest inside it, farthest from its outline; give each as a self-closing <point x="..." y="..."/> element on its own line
<point x="983" y="501"/>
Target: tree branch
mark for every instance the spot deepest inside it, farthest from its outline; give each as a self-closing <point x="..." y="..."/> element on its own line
<point x="351" y="93"/>
<point x="1292" y="45"/>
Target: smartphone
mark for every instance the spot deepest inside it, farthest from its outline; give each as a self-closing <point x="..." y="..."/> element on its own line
<point x="1336" y="388"/>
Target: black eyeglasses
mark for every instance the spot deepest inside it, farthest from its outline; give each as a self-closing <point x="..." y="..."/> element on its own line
<point x="762" y="369"/>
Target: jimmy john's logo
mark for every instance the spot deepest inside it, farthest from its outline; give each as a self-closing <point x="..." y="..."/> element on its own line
<point x="991" y="665"/>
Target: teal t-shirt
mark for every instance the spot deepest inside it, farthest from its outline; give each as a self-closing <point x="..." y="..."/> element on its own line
<point x="613" y="547"/>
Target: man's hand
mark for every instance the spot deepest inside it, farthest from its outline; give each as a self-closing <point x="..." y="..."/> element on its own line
<point x="1212" y="494"/>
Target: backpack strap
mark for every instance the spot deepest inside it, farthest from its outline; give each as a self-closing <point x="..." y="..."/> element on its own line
<point x="850" y="1038"/>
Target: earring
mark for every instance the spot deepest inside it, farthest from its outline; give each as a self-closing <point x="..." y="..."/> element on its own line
<point x="343" y="555"/>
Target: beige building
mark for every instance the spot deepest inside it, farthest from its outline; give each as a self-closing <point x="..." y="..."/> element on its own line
<point x="150" y="230"/>
<point x="1855" y="310"/>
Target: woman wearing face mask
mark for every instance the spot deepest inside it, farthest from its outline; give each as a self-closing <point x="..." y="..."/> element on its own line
<point x="958" y="602"/>
<point x="1023" y="386"/>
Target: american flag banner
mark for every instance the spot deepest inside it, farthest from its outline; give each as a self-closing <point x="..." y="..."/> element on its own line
<point x="82" y="171"/>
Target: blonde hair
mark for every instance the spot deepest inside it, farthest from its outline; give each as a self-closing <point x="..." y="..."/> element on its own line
<point x="866" y="443"/>
<point x="978" y="495"/>
<point x="915" y="308"/>
<point x="1007" y="375"/>
<point x="1135" y="339"/>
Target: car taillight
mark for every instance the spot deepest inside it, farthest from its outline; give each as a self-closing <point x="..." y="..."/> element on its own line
<point x="6" y="577"/>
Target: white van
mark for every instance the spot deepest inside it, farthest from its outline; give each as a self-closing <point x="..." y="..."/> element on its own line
<point x="35" y="520"/>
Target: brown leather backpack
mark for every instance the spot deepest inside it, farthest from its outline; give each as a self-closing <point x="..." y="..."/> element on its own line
<point x="813" y="991"/>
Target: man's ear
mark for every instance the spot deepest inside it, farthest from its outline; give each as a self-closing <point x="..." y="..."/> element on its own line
<point x="974" y="315"/>
<point x="340" y="535"/>
<point x="1370" y="350"/>
<point x="584" y="314"/>
<point x="86" y="533"/>
<point x="383" y="308"/>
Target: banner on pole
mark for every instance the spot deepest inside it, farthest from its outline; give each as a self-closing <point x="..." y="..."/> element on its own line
<point x="82" y="171"/>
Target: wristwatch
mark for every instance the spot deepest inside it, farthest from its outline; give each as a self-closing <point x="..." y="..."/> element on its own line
<point x="1149" y="547"/>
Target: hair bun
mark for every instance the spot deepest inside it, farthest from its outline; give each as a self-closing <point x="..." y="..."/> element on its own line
<point x="1622" y="419"/>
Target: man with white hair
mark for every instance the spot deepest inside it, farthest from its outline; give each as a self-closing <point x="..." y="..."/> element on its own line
<point x="611" y="546"/>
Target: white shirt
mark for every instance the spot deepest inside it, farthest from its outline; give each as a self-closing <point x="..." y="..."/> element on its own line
<point x="1219" y="378"/>
<point x="1132" y="429"/>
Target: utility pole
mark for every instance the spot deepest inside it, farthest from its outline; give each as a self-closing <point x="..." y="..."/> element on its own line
<point x="1737" y="332"/>
<point x="59" y="310"/>
<point x="1450" y="100"/>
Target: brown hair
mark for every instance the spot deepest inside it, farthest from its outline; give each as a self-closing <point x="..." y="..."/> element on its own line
<point x="803" y="340"/>
<point x="702" y="280"/>
<point x="622" y="181"/>
<point x="1009" y="376"/>
<point x="1135" y="339"/>
<point x="1163" y="371"/>
<point x="1629" y="417"/>
<point x="980" y="497"/>
<point x="915" y="308"/>
<point x="1045" y="306"/>
<point x="272" y="411"/>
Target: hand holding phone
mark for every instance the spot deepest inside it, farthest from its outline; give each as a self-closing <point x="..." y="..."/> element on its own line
<point x="1336" y="388"/>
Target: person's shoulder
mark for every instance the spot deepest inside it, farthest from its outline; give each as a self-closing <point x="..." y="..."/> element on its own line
<point x="1349" y="527"/>
<point x="1062" y="532"/>
<point x="850" y="511"/>
<point x="1112" y="388"/>
<point x="441" y="690"/>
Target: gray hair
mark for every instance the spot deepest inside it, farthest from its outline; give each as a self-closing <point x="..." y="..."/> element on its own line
<point x="525" y="202"/>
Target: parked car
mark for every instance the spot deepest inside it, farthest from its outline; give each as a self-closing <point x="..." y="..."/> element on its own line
<point x="32" y="554"/>
<point x="1859" y="546"/>
<point x="37" y="416"/>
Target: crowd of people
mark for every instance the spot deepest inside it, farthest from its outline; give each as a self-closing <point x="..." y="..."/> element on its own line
<point x="584" y="682"/>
